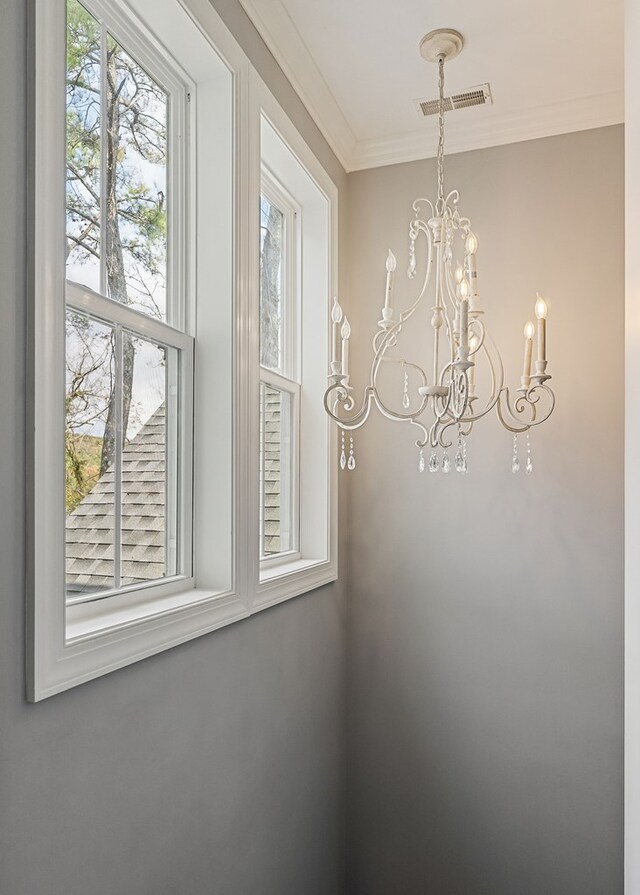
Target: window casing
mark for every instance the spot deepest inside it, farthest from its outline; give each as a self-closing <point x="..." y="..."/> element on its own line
<point x="202" y="353"/>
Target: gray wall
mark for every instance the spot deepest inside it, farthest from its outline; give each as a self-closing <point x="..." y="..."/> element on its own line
<point x="485" y="613"/>
<point x="214" y="767"/>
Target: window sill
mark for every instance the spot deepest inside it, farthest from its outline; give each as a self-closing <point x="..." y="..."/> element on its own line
<point x="290" y="579"/>
<point x="88" y="621"/>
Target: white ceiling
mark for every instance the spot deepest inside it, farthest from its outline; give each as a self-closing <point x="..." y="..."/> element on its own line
<point x="554" y="66"/>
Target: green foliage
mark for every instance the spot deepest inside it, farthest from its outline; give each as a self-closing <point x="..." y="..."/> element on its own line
<point x="82" y="467"/>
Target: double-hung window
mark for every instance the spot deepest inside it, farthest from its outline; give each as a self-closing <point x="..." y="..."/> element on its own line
<point x="128" y="358"/>
<point x="182" y="465"/>
<point x="279" y="377"/>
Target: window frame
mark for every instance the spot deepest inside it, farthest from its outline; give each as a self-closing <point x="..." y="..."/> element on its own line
<point x="172" y="331"/>
<point x="103" y="635"/>
<point x="288" y="378"/>
<point x="316" y="561"/>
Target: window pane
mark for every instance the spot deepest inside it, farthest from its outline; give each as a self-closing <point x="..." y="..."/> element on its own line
<point x="276" y="470"/>
<point x="89" y="447"/>
<point x="136" y="184"/>
<point x="144" y="475"/>
<point x="83" y="146"/>
<point x="271" y="304"/>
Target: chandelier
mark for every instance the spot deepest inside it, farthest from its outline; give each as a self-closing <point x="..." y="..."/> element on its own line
<point x="444" y="403"/>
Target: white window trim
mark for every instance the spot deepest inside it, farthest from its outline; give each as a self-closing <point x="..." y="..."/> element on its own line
<point x="288" y="379"/>
<point x="281" y="580"/>
<point x="108" y="634"/>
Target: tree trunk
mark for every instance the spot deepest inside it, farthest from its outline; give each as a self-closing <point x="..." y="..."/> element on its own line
<point x="114" y="258"/>
<point x="270" y="310"/>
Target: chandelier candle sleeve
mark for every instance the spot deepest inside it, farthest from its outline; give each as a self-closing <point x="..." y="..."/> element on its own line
<point x="391" y="266"/>
<point x="464" y="323"/>
<point x="336" y="317"/>
<point x="345" y="333"/>
<point x="471" y="247"/>
<point x="473" y="346"/>
<point x="528" y="350"/>
<point x="541" y="314"/>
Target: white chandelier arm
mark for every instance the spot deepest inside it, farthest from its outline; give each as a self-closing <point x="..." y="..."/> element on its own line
<point x="525" y="401"/>
<point x="421" y="443"/>
<point x="340" y="394"/>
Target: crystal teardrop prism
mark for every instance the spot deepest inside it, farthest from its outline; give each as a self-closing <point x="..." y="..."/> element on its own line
<point x="433" y="462"/>
<point x="528" y="466"/>
<point x="351" y="463"/>
<point x="446" y="462"/>
<point x="459" y="461"/>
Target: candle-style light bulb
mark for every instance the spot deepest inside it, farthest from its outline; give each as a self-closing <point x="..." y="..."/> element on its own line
<point x="388" y="289"/>
<point x="464" y="289"/>
<point x="471" y="244"/>
<point x="529" y="330"/>
<point x="541" y="308"/>
<point x="459" y="273"/>
<point x="336" y="311"/>
<point x="345" y="330"/>
<point x="391" y="261"/>
<point x="541" y="314"/>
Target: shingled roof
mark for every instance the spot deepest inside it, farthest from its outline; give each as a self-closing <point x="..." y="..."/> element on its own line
<point x="90" y="527"/>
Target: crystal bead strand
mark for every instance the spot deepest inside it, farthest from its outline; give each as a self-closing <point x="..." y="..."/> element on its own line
<point x="459" y="457"/>
<point x="351" y="462"/>
<point x="405" y="391"/>
<point x="421" y="463"/>
<point x="411" y="270"/>
<point x="343" y="454"/>
<point x="515" y="462"/>
<point x="529" y="464"/>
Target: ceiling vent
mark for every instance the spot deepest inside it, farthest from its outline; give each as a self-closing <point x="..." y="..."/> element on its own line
<point x="464" y="99"/>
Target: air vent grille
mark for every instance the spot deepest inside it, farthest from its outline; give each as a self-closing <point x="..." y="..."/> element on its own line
<point x="464" y="99"/>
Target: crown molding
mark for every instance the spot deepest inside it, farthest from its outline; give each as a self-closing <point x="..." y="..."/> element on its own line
<point x="464" y="133"/>
<point x="275" y="26"/>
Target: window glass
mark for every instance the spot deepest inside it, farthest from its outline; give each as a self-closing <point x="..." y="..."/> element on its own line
<point x="276" y="470"/>
<point x="90" y="433"/>
<point x="271" y="285"/>
<point x="144" y="463"/>
<point x="117" y="119"/>
<point x="84" y="147"/>
<point x="136" y="185"/>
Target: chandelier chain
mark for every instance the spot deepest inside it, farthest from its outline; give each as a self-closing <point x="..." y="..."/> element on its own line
<point x="440" y="157"/>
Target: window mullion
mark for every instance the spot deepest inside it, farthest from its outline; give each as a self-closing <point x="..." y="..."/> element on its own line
<point x="117" y="470"/>
<point x="103" y="158"/>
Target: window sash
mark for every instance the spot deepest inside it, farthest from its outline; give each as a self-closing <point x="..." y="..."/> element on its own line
<point x="170" y="79"/>
<point x="292" y="484"/>
<point x="275" y="193"/>
<point x="178" y="436"/>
